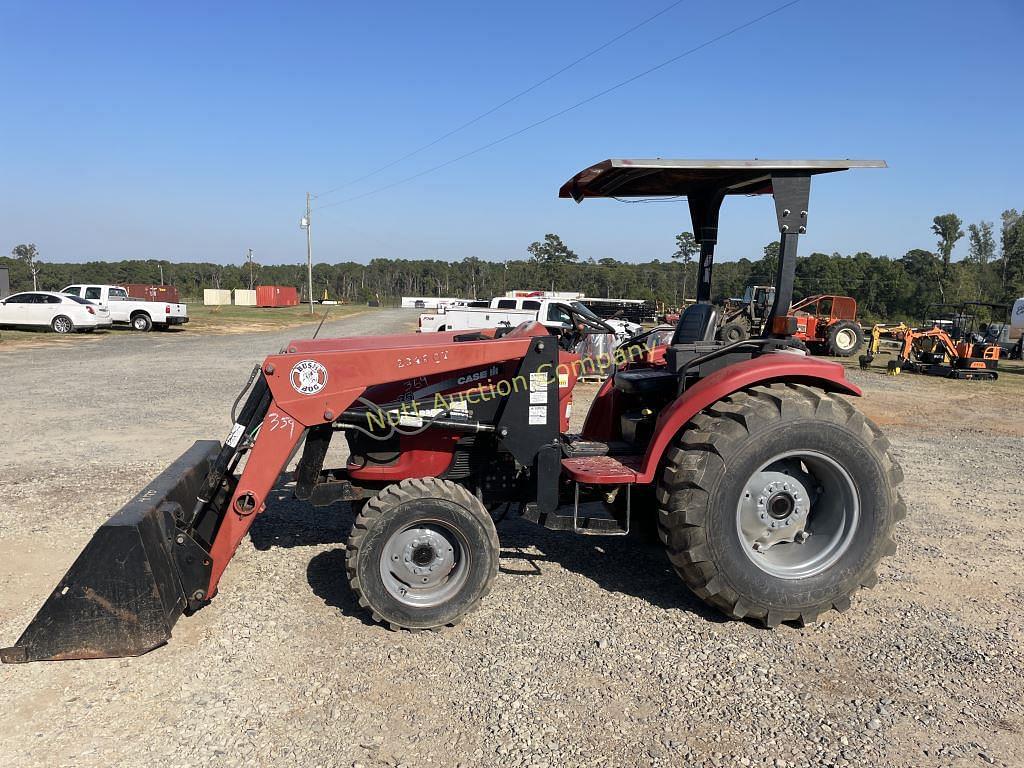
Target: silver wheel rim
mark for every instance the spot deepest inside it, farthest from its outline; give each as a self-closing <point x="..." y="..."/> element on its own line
<point x="845" y="339"/>
<point x="140" y="323"/>
<point x="425" y="564"/>
<point x="798" y="514"/>
<point x="62" y="325"/>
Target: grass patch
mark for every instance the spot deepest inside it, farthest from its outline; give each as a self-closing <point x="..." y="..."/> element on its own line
<point x="202" y="319"/>
<point x="1011" y="372"/>
<point x="234" y="319"/>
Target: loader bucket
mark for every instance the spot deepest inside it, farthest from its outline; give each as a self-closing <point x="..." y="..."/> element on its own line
<point x="124" y="593"/>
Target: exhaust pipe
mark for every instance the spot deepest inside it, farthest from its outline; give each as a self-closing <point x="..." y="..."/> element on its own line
<point x="135" y="577"/>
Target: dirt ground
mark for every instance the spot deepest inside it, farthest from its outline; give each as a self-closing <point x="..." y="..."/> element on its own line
<point x="588" y="651"/>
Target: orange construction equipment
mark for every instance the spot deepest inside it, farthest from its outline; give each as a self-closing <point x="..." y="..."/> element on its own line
<point x="934" y="352"/>
<point x="828" y="322"/>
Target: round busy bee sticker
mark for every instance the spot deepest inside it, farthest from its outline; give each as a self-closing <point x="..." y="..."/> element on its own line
<point x="308" y="377"/>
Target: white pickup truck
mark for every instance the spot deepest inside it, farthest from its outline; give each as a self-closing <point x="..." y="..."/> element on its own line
<point x="140" y="314"/>
<point x="552" y="313"/>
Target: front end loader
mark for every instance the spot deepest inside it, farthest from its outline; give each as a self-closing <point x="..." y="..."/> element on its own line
<point x="775" y="497"/>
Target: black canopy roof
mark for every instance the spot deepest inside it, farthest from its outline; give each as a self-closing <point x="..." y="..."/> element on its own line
<point x="654" y="178"/>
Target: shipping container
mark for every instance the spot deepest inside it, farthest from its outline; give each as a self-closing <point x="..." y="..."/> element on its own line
<point x="148" y="292"/>
<point x="276" y="296"/>
<point x="216" y="297"/>
<point x="245" y="298"/>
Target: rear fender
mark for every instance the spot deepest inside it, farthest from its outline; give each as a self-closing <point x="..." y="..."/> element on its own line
<point x="779" y="367"/>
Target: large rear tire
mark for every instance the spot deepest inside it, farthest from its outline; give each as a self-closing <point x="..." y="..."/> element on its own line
<point x="778" y="502"/>
<point x="422" y="554"/>
<point x="845" y="338"/>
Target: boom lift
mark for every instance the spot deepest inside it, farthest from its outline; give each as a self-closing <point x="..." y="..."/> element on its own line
<point x="775" y="497"/>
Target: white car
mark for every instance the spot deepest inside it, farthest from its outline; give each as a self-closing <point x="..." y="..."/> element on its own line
<point x="62" y="313"/>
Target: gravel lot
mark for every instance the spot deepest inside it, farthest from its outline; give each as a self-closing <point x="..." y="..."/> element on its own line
<point x="589" y="651"/>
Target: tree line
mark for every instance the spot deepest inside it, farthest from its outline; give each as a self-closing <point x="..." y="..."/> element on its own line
<point x="890" y="288"/>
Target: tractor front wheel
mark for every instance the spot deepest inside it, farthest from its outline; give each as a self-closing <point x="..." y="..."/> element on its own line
<point x="778" y="502"/>
<point x="735" y="331"/>
<point x="844" y="338"/>
<point x="422" y="554"/>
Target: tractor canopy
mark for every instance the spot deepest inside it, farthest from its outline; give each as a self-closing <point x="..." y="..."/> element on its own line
<point x="705" y="184"/>
<point x="690" y="178"/>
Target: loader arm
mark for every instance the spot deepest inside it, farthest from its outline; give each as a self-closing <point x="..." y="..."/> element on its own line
<point x="314" y="383"/>
<point x="165" y="552"/>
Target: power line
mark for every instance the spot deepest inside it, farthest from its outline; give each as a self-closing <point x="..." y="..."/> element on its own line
<point x="577" y="105"/>
<point x="505" y="103"/>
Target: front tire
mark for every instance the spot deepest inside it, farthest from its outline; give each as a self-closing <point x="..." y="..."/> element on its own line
<point x="62" y="324"/>
<point x="778" y="502"/>
<point x="735" y="331"/>
<point x="142" y="322"/>
<point x="845" y="338"/>
<point x="422" y="554"/>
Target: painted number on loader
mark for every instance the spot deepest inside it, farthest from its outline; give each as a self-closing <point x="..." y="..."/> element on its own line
<point x="277" y="421"/>
<point x="430" y="357"/>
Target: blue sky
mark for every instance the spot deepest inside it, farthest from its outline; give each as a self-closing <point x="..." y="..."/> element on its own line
<point x="192" y="131"/>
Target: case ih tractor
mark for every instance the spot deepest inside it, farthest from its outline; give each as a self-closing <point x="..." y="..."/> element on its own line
<point x="774" y="496"/>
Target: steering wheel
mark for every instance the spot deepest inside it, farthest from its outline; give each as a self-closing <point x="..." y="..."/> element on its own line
<point x="595" y="324"/>
<point x="582" y="325"/>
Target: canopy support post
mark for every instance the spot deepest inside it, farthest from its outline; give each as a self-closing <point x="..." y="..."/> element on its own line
<point x="792" y="193"/>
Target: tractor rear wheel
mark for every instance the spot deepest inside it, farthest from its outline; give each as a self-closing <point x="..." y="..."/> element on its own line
<point x="422" y="554"/>
<point x="844" y="338"/>
<point x="777" y="503"/>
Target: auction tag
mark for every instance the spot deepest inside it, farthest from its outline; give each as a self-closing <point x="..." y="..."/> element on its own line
<point x="236" y="434"/>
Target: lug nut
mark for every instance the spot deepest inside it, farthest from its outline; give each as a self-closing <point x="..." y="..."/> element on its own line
<point x="198" y="594"/>
<point x="269" y="369"/>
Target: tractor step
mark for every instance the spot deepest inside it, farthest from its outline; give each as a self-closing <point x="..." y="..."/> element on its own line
<point x="574" y="446"/>
<point x="602" y="470"/>
<point x="588" y="526"/>
<point x="583" y="524"/>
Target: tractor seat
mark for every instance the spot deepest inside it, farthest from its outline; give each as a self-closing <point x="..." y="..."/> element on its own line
<point x="696" y="326"/>
<point x="698" y="323"/>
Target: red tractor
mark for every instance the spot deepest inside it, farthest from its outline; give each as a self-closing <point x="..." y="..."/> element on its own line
<point x="774" y="496"/>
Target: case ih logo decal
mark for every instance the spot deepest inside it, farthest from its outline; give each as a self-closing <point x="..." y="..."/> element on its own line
<point x="308" y="377"/>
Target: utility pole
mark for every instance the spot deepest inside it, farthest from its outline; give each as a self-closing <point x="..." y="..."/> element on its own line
<point x="309" y="250"/>
<point x="161" y="273"/>
<point x="248" y="258"/>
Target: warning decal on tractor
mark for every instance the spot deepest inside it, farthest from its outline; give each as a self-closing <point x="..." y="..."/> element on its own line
<point x="308" y="377"/>
<point x="538" y="414"/>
